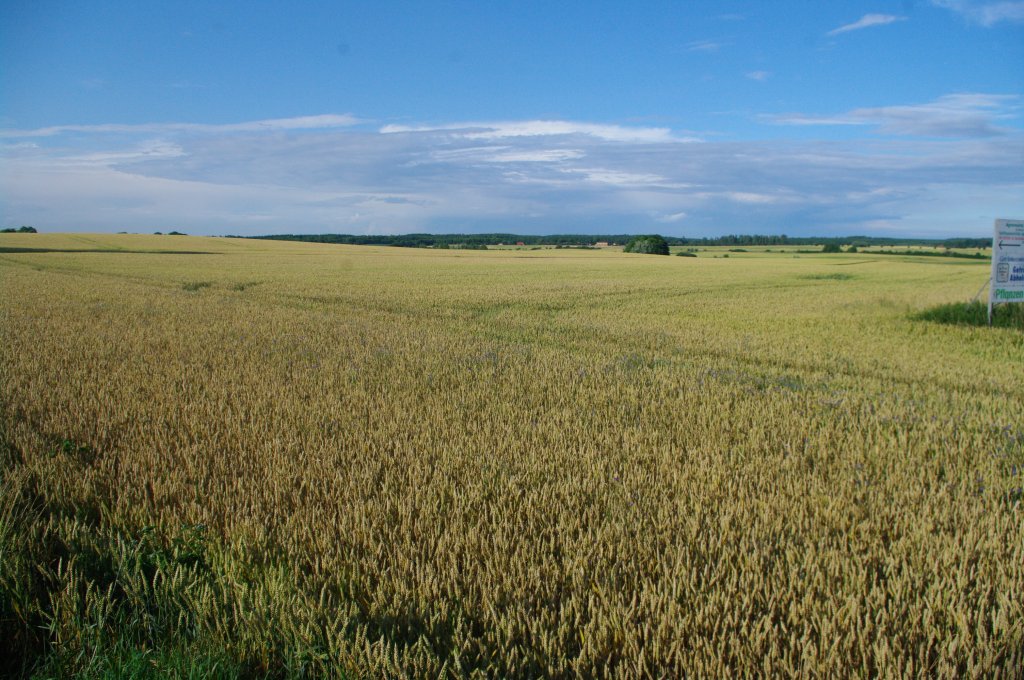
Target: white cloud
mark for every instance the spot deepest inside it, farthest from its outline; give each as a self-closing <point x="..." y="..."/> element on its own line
<point x="750" y="197"/>
<point x="759" y="76"/>
<point x="704" y="46"/>
<point x="497" y="154"/>
<point x="18" y="146"/>
<point x="474" y="154"/>
<point x="538" y="156"/>
<point x="147" y="151"/>
<point x="985" y="13"/>
<point x="542" y="128"/>
<point x="867" y="21"/>
<point x="447" y="178"/>
<point x="324" y="121"/>
<point x="955" y="115"/>
<point x="619" y="177"/>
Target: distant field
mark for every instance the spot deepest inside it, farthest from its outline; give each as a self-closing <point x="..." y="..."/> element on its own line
<point x="292" y="458"/>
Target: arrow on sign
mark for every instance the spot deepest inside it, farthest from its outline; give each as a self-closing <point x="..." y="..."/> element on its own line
<point x="1004" y="244"/>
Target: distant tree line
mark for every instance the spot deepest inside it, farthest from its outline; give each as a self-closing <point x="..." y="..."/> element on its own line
<point x="451" y="240"/>
<point x="19" y="230"/>
<point x="932" y="253"/>
<point x="580" y="240"/>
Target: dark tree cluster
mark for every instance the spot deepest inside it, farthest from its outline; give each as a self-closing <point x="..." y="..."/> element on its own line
<point x="649" y="245"/>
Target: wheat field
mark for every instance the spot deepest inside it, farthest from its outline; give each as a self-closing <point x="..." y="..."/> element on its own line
<point x="303" y="460"/>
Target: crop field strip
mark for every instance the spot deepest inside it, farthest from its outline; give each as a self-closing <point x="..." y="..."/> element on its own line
<point x="370" y="461"/>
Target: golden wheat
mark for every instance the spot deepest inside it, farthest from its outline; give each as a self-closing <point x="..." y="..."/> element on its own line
<point x="553" y="463"/>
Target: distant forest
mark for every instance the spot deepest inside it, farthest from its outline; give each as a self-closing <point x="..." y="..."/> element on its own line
<point x="581" y="240"/>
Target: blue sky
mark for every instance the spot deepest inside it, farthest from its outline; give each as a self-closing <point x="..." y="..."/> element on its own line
<point x="685" y="118"/>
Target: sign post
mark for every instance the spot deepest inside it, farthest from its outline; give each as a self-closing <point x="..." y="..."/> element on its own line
<point x="1007" y="264"/>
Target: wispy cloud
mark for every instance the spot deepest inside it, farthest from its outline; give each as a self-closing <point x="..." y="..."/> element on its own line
<point x="530" y="176"/>
<point x="955" y="115"/>
<point x="671" y="218"/>
<point x="319" y="122"/>
<point x="867" y="21"/>
<point x="759" y="76"/>
<point x="542" y="128"/>
<point x="148" y="150"/>
<point x="704" y="46"/>
<point x="620" y="178"/>
<point x="984" y="12"/>
<point x="750" y="197"/>
<point x="536" y="156"/>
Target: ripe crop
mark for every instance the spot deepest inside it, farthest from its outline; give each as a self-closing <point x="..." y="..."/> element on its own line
<point x="302" y="459"/>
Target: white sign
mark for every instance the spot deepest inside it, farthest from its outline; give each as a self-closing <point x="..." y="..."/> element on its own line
<point x="1007" y="264"/>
